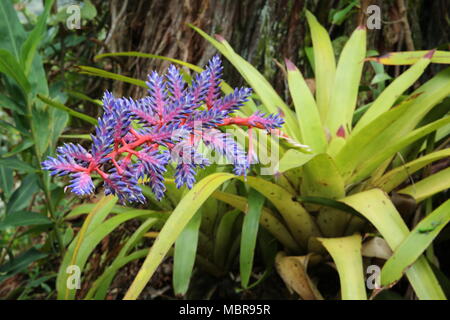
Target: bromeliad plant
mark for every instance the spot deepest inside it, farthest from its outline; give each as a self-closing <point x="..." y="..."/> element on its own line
<point x="352" y="167"/>
<point x="173" y="120"/>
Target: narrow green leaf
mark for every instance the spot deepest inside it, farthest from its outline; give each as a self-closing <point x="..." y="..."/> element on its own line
<point x="298" y="220"/>
<point x="324" y="64"/>
<point x="268" y="220"/>
<point x="15" y="163"/>
<point x="6" y="181"/>
<point x="8" y="103"/>
<point x="82" y="96"/>
<point x="41" y="130"/>
<point x="389" y="95"/>
<point x="30" y="46"/>
<point x="372" y="163"/>
<point x="249" y="235"/>
<point x="410" y="57"/>
<point x="346" y="253"/>
<point x="185" y="253"/>
<point x="61" y="106"/>
<point x="395" y="177"/>
<point x="110" y="75"/>
<point x="346" y="85"/>
<point x="184" y="211"/>
<point x="148" y="55"/>
<point x="24" y="145"/>
<point x="24" y="218"/>
<point x="224" y="237"/>
<point x="270" y="99"/>
<point x="312" y="133"/>
<point x="11" y="67"/>
<point x="415" y="244"/>
<point x="429" y="186"/>
<point x="23" y="195"/>
<point x="379" y="210"/>
<point x="21" y="262"/>
<point x="12" y="33"/>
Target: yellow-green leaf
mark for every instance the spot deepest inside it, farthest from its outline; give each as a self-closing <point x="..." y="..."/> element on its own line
<point x="415" y="244"/>
<point x="376" y="206"/>
<point x="389" y="95"/>
<point x="325" y="64"/>
<point x="312" y="133"/>
<point x="346" y="85"/>
<point x="346" y="253"/>
<point x="425" y="188"/>
<point x="410" y="57"/>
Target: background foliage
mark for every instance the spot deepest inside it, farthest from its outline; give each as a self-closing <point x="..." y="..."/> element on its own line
<point x="49" y="91"/>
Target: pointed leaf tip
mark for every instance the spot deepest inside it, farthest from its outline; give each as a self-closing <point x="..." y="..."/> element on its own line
<point x="430" y="54"/>
<point x="289" y="65"/>
<point x="341" y="132"/>
<point x="219" y="38"/>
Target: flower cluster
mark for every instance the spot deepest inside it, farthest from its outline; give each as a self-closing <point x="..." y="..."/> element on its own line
<point x="137" y="139"/>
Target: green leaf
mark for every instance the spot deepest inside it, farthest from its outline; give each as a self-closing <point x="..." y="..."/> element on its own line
<point x="362" y="145"/>
<point x="249" y="235"/>
<point x="410" y="57"/>
<point x="185" y="253"/>
<point x="83" y="245"/>
<point x="101" y="285"/>
<point x="346" y="253"/>
<point x="6" y="181"/>
<point x="429" y="186"/>
<point x="377" y="159"/>
<point x="325" y="64"/>
<point x="415" y="244"/>
<point x="380" y="77"/>
<point x="11" y="67"/>
<point x="379" y="210"/>
<point x="298" y="220"/>
<point x="177" y="221"/>
<point x="61" y="106"/>
<point x="23" y="195"/>
<point x="24" y="145"/>
<point x="346" y="86"/>
<point x="41" y="130"/>
<point x="148" y="55"/>
<point x="88" y="10"/>
<point x="321" y="178"/>
<point x="23" y="218"/>
<point x="395" y="177"/>
<point x="312" y="133"/>
<point x="82" y="96"/>
<point x="8" y="103"/>
<point x="21" y="262"/>
<point x="224" y="237"/>
<point x="270" y="99"/>
<point x="293" y="159"/>
<point x="268" y="220"/>
<point x="342" y="14"/>
<point x="109" y="75"/>
<point x="15" y="163"/>
<point x="9" y="127"/>
<point x="12" y="33"/>
<point x="389" y="95"/>
<point x="30" y="46"/>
